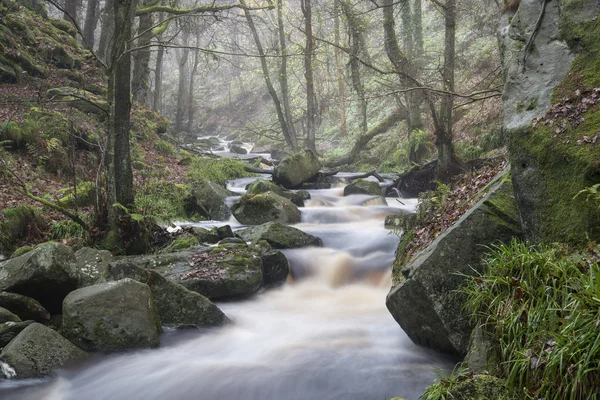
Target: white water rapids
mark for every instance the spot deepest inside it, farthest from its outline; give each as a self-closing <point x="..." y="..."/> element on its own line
<point x="325" y="335"/>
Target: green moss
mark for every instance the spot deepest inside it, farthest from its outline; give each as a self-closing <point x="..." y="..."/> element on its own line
<point x="402" y="257"/>
<point x="64" y="26"/>
<point x="216" y="170"/>
<point x="184" y="241"/>
<point x="85" y="195"/>
<point x="20" y="223"/>
<point x="146" y="124"/>
<point x="165" y="147"/>
<point x="66" y="229"/>
<point x="20" y="251"/>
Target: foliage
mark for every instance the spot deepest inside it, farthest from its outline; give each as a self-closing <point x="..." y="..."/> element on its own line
<point x="164" y="201"/>
<point x="165" y="147"/>
<point x="431" y="201"/>
<point x="543" y="303"/>
<point x="21" y="223"/>
<point x="492" y="139"/>
<point x="467" y="151"/>
<point x="216" y="170"/>
<point x="66" y="229"/>
<point x="444" y="384"/>
<point x="592" y="193"/>
<point x="418" y="147"/>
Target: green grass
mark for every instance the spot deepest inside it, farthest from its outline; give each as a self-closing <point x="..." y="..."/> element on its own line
<point x="216" y="170"/>
<point x="543" y="304"/>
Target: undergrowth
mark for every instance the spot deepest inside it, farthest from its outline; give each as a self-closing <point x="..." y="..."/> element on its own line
<point x="216" y="170"/>
<point x="543" y="304"/>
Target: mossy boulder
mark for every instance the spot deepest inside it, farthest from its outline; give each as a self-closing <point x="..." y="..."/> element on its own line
<point x="181" y="242"/>
<point x="236" y="149"/>
<point x="207" y="199"/>
<point x="92" y="265"/>
<point x="279" y="236"/>
<point x="47" y="274"/>
<point x="483" y="355"/>
<point x="10" y="330"/>
<point x="7" y="316"/>
<point x="82" y="100"/>
<point x="20" y="251"/>
<point x="39" y="351"/>
<point x="275" y="267"/>
<point x="85" y="195"/>
<point x="24" y="307"/>
<point x="261" y="208"/>
<point x="427" y="303"/>
<point x="294" y="170"/>
<point x="557" y="156"/>
<point x="177" y="306"/>
<point x="479" y="387"/>
<point x="362" y="186"/>
<point x="260" y="186"/>
<point x="64" y="26"/>
<point x="95" y="321"/>
<point x="205" y="235"/>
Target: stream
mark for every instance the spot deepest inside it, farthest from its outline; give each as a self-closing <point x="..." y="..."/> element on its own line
<point x="324" y="335"/>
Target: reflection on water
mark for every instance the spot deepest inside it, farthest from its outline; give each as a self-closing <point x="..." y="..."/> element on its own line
<point x="325" y="335"/>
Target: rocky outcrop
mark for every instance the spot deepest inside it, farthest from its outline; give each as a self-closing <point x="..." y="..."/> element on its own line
<point x="262" y="186"/>
<point x="362" y="186"/>
<point x="279" y="236"/>
<point x="111" y="316"/>
<point x="177" y="306"/>
<point x="553" y="160"/>
<point x="294" y="170"/>
<point x="46" y="274"/>
<point x="39" y="351"/>
<point x="261" y="208"/>
<point x="207" y="199"/>
<point x="92" y="264"/>
<point x="426" y="304"/>
<point x="24" y="307"/>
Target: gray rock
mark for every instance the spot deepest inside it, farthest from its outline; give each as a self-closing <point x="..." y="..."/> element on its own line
<point x="10" y="330"/>
<point x="46" y="274"/>
<point x="112" y="316"/>
<point x="275" y="267"/>
<point x="262" y="186"/>
<point x="362" y="186"/>
<point x="224" y="231"/>
<point x="7" y="316"/>
<point x="177" y="306"/>
<point x="39" y="351"/>
<point x="92" y="264"/>
<point x="205" y="235"/>
<point x="279" y="236"/>
<point x="483" y="355"/>
<point x="261" y="208"/>
<point x="207" y="199"/>
<point x="294" y="170"/>
<point x="427" y="305"/>
<point x="24" y="307"/>
<point x="236" y="149"/>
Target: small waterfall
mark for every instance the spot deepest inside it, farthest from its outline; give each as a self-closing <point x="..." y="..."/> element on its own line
<point x="8" y="371"/>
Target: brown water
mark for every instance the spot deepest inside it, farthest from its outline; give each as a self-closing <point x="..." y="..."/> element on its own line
<point x="324" y="335"/>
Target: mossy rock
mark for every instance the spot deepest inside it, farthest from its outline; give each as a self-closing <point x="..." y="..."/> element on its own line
<point x="480" y="387"/>
<point x="24" y="307"/>
<point x="82" y="100"/>
<point x="260" y="186"/>
<point x="64" y="26"/>
<point x="237" y="149"/>
<point x="293" y="171"/>
<point x="183" y="241"/>
<point x="205" y="235"/>
<point x="86" y="195"/>
<point x="20" y="251"/>
<point x="7" y="316"/>
<point x="207" y="199"/>
<point x="92" y="265"/>
<point x="8" y="72"/>
<point x="265" y="207"/>
<point x="362" y="186"/>
<point x="279" y="236"/>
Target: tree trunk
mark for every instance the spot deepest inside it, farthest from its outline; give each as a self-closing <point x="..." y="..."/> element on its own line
<point x="119" y="173"/>
<point x="265" y="69"/>
<point x="107" y="31"/>
<point x="140" y="83"/>
<point x="91" y="21"/>
<point x="283" y="82"/>
<point x="183" y="79"/>
<point x="418" y="28"/>
<point x="413" y="99"/>
<point x="308" y="74"/>
<point x="354" y="32"/>
<point x="447" y="159"/>
<point x="191" y="108"/>
<point x="157" y="103"/>
<point x="340" y="70"/>
<point x="70" y="12"/>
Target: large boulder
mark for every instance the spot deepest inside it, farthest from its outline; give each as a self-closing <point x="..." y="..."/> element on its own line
<point x="39" y="351"/>
<point x="294" y="170"/>
<point x="554" y="157"/>
<point x="92" y="264"/>
<point x="46" y="274"/>
<point x="427" y="304"/>
<point x="177" y="306"/>
<point x="7" y="316"/>
<point x="261" y="208"/>
<point x="275" y="267"/>
<point x="111" y="316"/>
<point x="362" y="186"/>
<point x="279" y="236"/>
<point x="262" y="186"/>
<point x="24" y="307"/>
<point x="207" y="199"/>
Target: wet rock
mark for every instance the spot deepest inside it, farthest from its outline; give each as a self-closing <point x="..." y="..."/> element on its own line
<point x="236" y="149"/>
<point x="427" y="304"/>
<point x="483" y="354"/>
<point x="207" y="199"/>
<point x="46" y="274"/>
<point x="111" y="316"/>
<point x="479" y="387"/>
<point x="92" y="264"/>
<point x="224" y="231"/>
<point x="10" y="330"/>
<point x="205" y="235"/>
<point x="362" y="186"/>
<point x="294" y="170"/>
<point x="275" y="267"/>
<point x="232" y="240"/>
<point x="183" y="241"/>
<point x="24" y="307"/>
<point x="7" y="316"/>
<point x="261" y="208"/>
<point x="262" y="186"/>
<point x="177" y="306"/>
<point x="279" y="236"/>
<point x="39" y="351"/>
<point x="20" y="251"/>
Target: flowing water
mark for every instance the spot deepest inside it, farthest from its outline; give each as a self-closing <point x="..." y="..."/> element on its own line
<point x="325" y="334"/>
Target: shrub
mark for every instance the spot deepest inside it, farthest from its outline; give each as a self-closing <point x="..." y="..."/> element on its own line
<point x="165" y="147"/>
<point x="66" y="229"/>
<point x="164" y="201"/>
<point x="543" y="303"/>
<point x="467" y="151"/>
<point x="20" y="223"/>
<point x="216" y="170"/>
